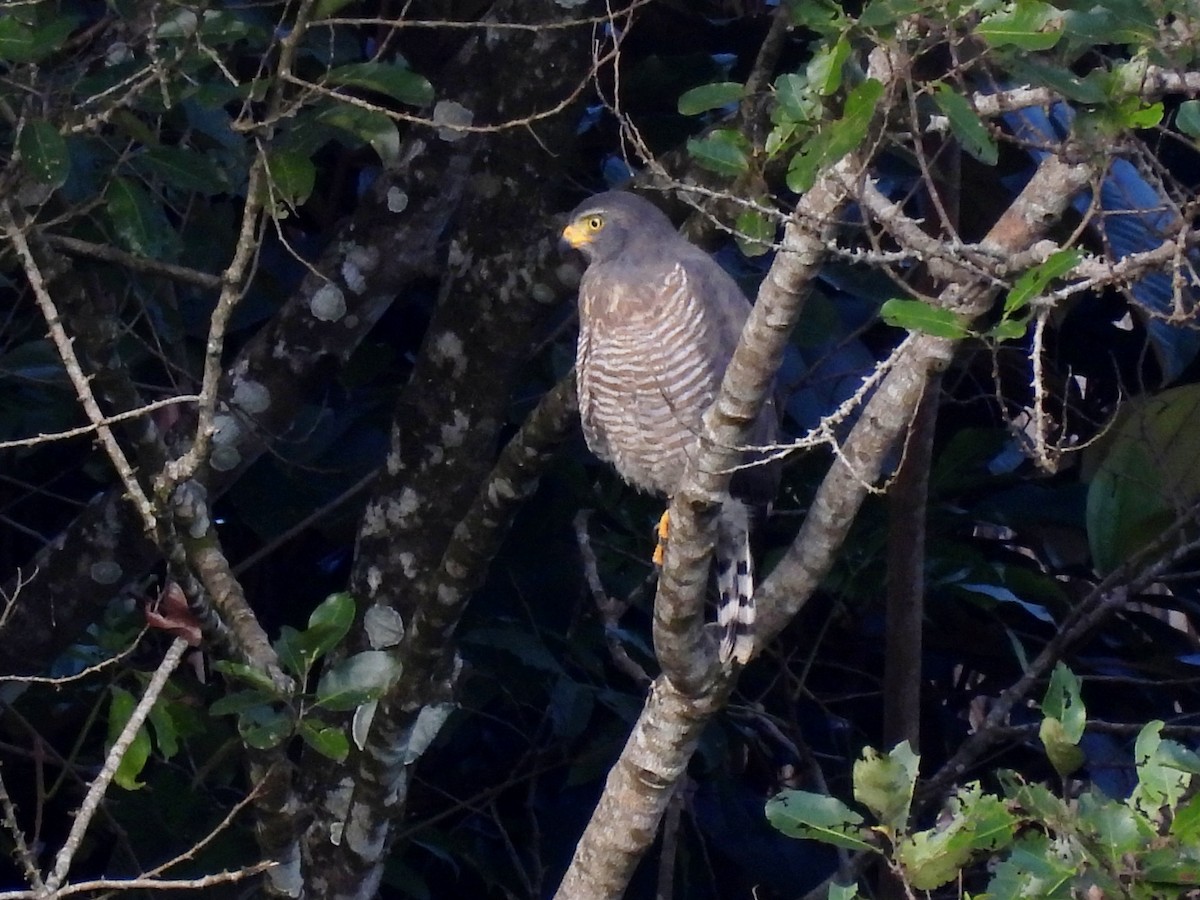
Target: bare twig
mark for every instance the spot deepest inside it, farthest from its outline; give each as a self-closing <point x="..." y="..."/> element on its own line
<point x="66" y="351"/>
<point x="112" y="762"/>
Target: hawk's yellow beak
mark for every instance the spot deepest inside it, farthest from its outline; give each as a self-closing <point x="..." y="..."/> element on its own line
<point x="575" y="235"/>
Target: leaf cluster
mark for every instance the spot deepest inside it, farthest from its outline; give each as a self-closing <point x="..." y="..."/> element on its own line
<point x="1031" y="841"/>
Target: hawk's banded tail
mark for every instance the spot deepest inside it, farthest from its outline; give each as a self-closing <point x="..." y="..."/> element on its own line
<point x="735" y="582"/>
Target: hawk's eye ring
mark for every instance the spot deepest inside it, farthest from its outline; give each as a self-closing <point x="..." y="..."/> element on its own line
<point x="594" y="223"/>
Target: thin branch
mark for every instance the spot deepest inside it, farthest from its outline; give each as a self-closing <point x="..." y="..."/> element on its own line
<point x="610" y="609"/>
<point x="44" y="438"/>
<point x="108" y="253"/>
<point x="98" y="787"/>
<point x="66" y="351"/>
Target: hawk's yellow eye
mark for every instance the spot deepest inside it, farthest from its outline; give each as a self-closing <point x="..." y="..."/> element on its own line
<point x="594" y="223"/>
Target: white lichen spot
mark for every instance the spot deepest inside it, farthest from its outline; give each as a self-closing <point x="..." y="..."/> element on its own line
<point x="366" y="841"/>
<point x="353" y="276"/>
<point x="408" y="564"/>
<point x="106" y="571"/>
<point x="451" y="117"/>
<point x="374" y="579"/>
<point x="227" y="430"/>
<point x="365" y="257"/>
<point x="501" y="488"/>
<point x="373" y="521"/>
<point x="448" y="596"/>
<point x="286" y="876"/>
<point x="455" y="570"/>
<point x="360" y="724"/>
<point x="199" y="526"/>
<point x="429" y="722"/>
<point x="543" y="293"/>
<point x="454" y="432"/>
<point x="118" y="51"/>
<point x="384" y="626"/>
<point x="407" y="503"/>
<point x="251" y="396"/>
<point x="328" y="304"/>
<point x="397" y="200"/>
<point x="394" y="463"/>
<point x="448" y="348"/>
<point x="225" y="459"/>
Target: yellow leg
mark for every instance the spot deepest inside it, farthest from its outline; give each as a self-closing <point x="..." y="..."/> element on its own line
<point x="661" y="531"/>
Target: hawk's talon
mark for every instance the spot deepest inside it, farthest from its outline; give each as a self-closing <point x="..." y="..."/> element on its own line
<point x="661" y="531"/>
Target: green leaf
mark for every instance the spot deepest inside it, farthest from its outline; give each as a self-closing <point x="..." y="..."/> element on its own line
<point x="1187" y="117"/>
<point x="1120" y="829"/>
<point x="1163" y="869"/>
<point x="1063" y="753"/>
<point x="330" y="742"/>
<point x="1033" y="282"/>
<point x="1064" y="702"/>
<point x="20" y="43"/>
<point x="16" y="40"/>
<point x="966" y="125"/>
<point x="780" y="136"/>
<point x="44" y="153"/>
<point x="1035" y="799"/>
<point x="724" y="151"/>
<point x="1111" y="22"/>
<point x="364" y="125"/>
<point x="396" y="81"/>
<point x="884" y="784"/>
<point x="755" y="232"/>
<point x="166" y="734"/>
<point x="330" y="622"/>
<point x="292" y="653"/>
<point x="238" y="702"/>
<point x="843" y="891"/>
<point x="184" y="169"/>
<point x="1165" y="769"/>
<point x="795" y="100"/>
<point x="884" y="14"/>
<point x="836" y="139"/>
<point x="327" y="625"/>
<point x="917" y="315"/>
<point x="293" y="177"/>
<point x="1009" y="329"/>
<point x="817" y="817"/>
<point x="248" y="674"/>
<point x="1144" y="471"/>
<point x="138" y="220"/>
<point x="1033" y="869"/>
<point x="357" y="679"/>
<point x="1133" y="112"/>
<point x="264" y="727"/>
<point x="824" y="70"/>
<point x="1028" y="25"/>
<point x="1185" y="826"/>
<point x="709" y="96"/>
<point x="120" y="708"/>
<point x="1089" y="89"/>
<point x="326" y="8"/>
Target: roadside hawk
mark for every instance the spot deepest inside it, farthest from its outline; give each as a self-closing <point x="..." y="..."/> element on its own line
<point x="658" y="323"/>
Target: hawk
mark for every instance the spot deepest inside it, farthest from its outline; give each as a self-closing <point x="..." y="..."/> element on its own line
<point x="658" y="323"/>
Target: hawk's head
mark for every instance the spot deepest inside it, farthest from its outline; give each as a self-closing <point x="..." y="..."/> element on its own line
<point x="615" y="222"/>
